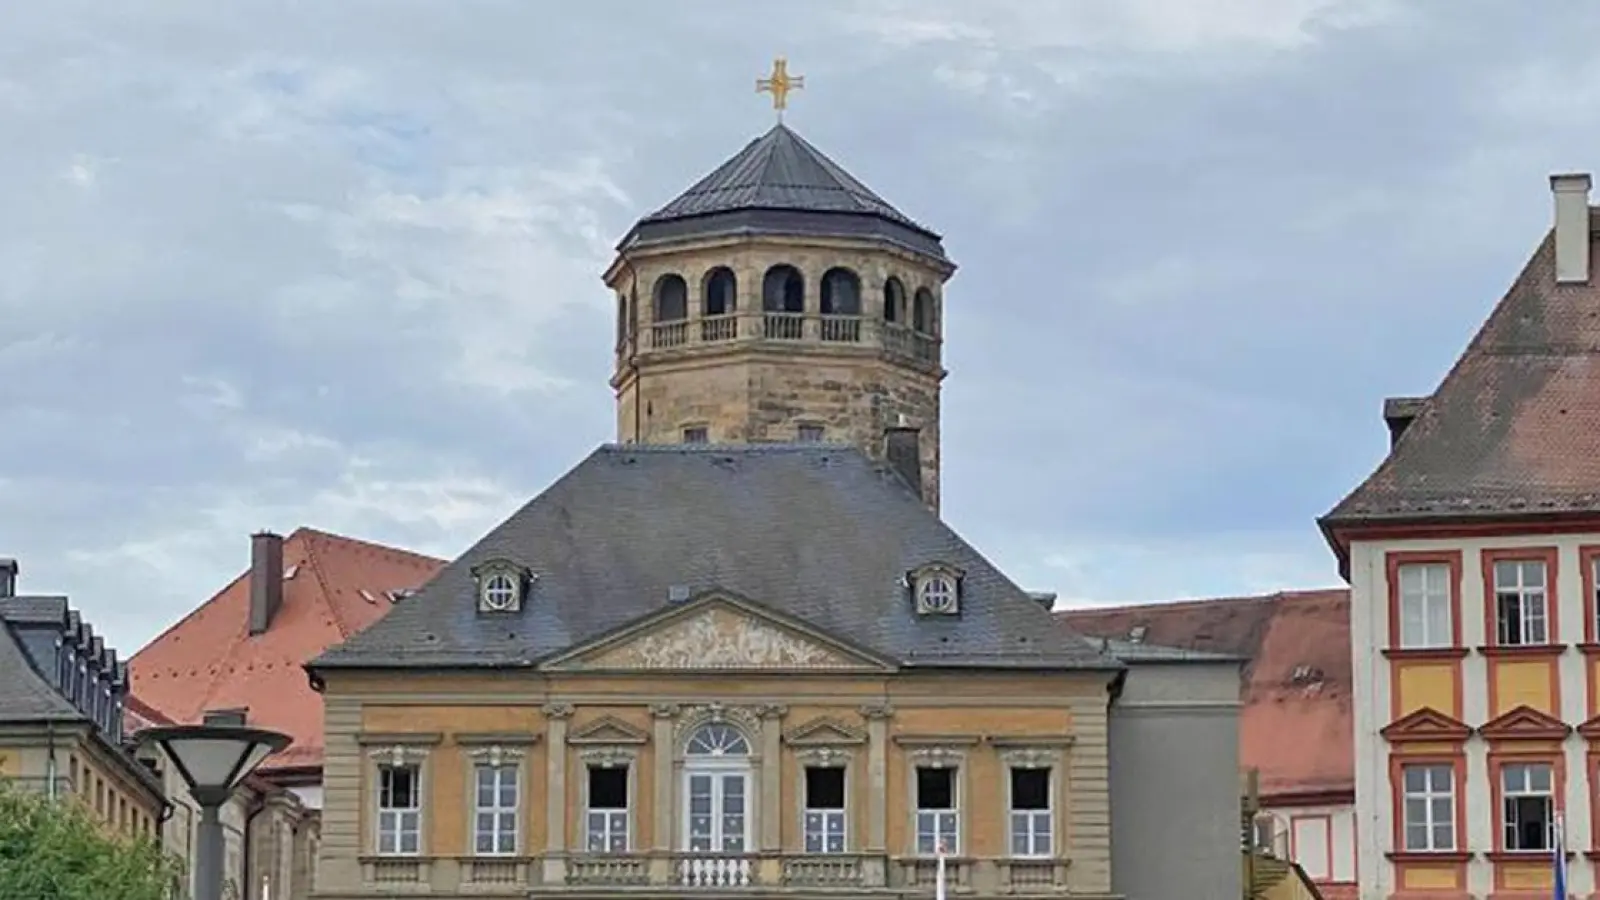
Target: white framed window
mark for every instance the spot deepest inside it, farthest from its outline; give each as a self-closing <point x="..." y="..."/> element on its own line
<point x="499" y="592"/>
<point x="1527" y="798"/>
<point x="606" y="818"/>
<point x="938" y="818"/>
<point x="1594" y="592"/>
<point x="1520" y="597"/>
<point x="716" y="782"/>
<point x="494" y="828"/>
<point x="1424" y="592"/>
<point x="824" y="815"/>
<point x="1032" y="818"/>
<point x="399" y="810"/>
<point x="1428" y="795"/>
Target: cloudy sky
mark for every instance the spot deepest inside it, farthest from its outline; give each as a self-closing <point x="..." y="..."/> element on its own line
<point x="269" y="264"/>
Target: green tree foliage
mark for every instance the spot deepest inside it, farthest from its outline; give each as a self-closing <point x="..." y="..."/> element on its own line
<point x="54" y="851"/>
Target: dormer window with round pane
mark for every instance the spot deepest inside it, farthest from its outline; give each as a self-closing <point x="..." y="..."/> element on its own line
<point x="500" y="586"/>
<point x="499" y="593"/>
<point x="938" y="594"/>
<point x="936" y="590"/>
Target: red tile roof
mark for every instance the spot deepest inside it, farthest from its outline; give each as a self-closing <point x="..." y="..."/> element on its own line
<point x="1296" y="726"/>
<point x="210" y="661"/>
<point x="1514" y="427"/>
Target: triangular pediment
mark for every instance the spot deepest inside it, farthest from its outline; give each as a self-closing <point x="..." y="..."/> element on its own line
<point x="608" y="730"/>
<point x="718" y="632"/>
<point x="824" y="732"/>
<point x="1425" y="724"/>
<point x="1590" y="729"/>
<point x="1524" y="723"/>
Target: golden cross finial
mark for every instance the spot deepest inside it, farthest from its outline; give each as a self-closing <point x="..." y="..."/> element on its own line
<point x="779" y="84"/>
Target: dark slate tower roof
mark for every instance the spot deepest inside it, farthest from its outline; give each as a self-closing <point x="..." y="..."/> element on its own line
<point x="780" y="184"/>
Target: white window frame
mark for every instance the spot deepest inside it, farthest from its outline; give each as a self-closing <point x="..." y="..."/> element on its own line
<point x="608" y="758"/>
<point x="391" y="820"/>
<point x="832" y="822"/>
<point x="1528" y="598"/>
<point x="1594" y="593"/>
<point x="1032" y="816"/>
<point x="1509" y="792"/>
<point x="499" y="770"/>
<point x="392" y="751"/>
<point x="1427" y="607"/>
<point x="939" y="758"/>
<point x="1428" y="795"/>
<point x="500" y="593"/>
<point x="719" y="769"/>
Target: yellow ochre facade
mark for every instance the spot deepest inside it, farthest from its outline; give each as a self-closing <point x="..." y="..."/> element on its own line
<point x="555" y="728"/>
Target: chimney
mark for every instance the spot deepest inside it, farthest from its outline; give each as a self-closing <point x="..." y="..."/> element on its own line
<point x="1399" y="413"/>
<point x="903" y="449"/>
<point x="1572" y="227"/>
<point x="8" y="577"/>
<point x="266" y="579"/>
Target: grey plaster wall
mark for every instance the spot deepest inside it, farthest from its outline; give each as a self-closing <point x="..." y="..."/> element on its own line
<point x="1174" y="746"/>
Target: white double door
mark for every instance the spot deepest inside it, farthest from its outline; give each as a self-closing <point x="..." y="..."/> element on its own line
<point x="717" y="810"/>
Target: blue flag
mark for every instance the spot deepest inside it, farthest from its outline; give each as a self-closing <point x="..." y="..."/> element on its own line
<point x="1560" y="859"/>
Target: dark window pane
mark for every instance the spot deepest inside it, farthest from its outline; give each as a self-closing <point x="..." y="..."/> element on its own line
<point x="608" y="788"/>
<point x="1030" y="788"/>
<point x="824" y="788"/>
<point x="936" y="789"/>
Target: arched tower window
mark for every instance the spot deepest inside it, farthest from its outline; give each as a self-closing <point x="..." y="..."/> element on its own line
<point x="622" y="319"/>
<point x="922" y="311"/>
<point x="672" y="298"/>
<point x="716" y="787"/>
<point x="841" y="293"/>
<point x="783" y="290"/>
<point x="894" y="301"/>
<point x="720" y="293"/>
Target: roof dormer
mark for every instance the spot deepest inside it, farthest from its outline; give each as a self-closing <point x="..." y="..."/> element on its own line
<point x="935" y="589"/>
<point x="501" y="585"/>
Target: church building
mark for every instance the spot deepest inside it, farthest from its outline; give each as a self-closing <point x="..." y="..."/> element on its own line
<point x="737" y="650"/>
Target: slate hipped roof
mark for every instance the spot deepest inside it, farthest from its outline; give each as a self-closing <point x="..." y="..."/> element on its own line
<point x="25" y="696"/>
<point x="780" y="184"/>
<point x="819" y="533"/>
<point x="1514" y="428"/>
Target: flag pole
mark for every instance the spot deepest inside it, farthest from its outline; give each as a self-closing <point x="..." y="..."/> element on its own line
<point x="1560" y="875"/>
<point x="938" y="883"/>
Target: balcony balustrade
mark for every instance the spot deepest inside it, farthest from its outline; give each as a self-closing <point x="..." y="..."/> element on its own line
<point x="698" y="874"/>
<point x="782" y="327"/>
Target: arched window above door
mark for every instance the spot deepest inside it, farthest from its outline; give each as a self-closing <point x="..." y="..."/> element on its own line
<point x="716" y="739"/>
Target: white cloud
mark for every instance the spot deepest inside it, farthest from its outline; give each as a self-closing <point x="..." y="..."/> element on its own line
<point x="1162" y="26"/>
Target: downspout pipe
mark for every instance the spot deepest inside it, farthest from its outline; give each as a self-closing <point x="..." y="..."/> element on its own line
<point x="50" y="768"/>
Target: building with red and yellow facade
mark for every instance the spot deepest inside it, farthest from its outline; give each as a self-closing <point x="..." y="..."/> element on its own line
<point x="1472" y="554"/>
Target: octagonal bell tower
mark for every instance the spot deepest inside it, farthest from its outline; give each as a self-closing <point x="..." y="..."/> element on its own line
<point x="780" y="300"/>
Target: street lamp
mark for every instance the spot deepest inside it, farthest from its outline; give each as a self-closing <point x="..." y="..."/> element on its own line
<point x="213" y="759"/>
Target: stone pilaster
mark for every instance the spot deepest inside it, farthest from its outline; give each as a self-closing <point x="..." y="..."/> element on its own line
<point x="555" y="801"/>
<point x="877" y="716"/>
<point x="664" y="752"/>
<point x="771" y="809"/>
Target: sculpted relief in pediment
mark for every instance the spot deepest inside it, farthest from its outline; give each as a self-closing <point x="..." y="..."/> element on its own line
<point x="720" y="637"/>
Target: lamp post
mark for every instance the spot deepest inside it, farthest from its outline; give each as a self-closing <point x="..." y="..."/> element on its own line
<point x="213" y="759"/>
